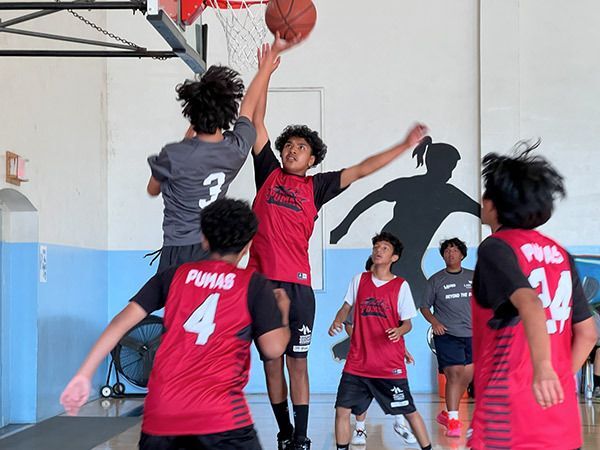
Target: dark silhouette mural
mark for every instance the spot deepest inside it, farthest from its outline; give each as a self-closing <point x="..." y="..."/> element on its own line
<point x="421" y="204"/>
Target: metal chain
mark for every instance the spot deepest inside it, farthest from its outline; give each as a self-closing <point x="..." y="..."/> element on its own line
<point x="109" y="34"/>
<point x="102" y="30"/>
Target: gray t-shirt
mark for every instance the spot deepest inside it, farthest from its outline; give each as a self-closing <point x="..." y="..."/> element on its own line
<point x="193" y="174"/>
<point x="450" y="296"/>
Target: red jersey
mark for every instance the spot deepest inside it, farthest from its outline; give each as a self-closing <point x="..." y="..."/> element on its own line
<point x="286" y="212"/>
<point x="506" y="414"/>
<point x="371" y="353"/>
<point x="201" y="367"/>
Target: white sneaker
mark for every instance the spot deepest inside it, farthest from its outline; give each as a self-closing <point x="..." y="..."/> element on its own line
<point x="405" y="433"/>
<point x="359" y="437"/>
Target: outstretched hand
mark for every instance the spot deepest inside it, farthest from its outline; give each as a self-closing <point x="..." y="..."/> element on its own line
<point x="76" y="394"/>
<point x="415" y="135"/>
<point x="281" y="45"/>
<point x="267" y="58"/>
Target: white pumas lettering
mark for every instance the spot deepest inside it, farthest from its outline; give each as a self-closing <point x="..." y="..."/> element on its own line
<point x="210" y="280"/>
<point x="548" y="253"/>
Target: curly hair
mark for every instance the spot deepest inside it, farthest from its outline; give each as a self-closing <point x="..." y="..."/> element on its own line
<point x="454" y="242"/>
<point x="391" y="239"/>
<point x="317" y="147"/>
<point x="211" y="102"/>
<point x="522" y="187"/>
<point x="228" y="225"/>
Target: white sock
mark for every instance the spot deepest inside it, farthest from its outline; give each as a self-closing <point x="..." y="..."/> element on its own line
<point x="360" y="425"/>
<point x="453" y="415"/>
<point x="399" y="419"/>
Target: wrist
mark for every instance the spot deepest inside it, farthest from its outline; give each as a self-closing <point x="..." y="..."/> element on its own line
<point x="542" y="364"/>
<point x="84" y="374"/>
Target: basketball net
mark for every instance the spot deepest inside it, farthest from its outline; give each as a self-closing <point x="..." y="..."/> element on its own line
<point x="245" y="29"/>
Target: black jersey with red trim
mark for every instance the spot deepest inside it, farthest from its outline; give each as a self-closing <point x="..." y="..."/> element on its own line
<point x="286" y="206"/>
<point x="212" y="312"/>
<point x="506" y="414"/>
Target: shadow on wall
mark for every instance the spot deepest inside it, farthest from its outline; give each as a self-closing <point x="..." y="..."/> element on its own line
<point x="422" y="203"/>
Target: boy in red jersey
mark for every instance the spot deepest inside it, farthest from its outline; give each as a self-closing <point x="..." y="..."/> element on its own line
<point x="287" y="204"/>
<point x="375" y="366"/>
<point x="213" y="310"/>
<point x="532" y="328"/>
<point x="359" y="435"/>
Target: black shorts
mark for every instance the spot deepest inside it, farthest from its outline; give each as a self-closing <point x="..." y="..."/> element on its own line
<point x="242" y="438"/>
<point x="452" y="351"/>
<point x="171" y="255"/>
<point x="592" y="356"/>
<point x="302" y="317"/>
<point x="356" y="393"/>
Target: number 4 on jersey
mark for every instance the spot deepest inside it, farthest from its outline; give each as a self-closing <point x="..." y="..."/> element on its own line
<point x="202" y="320"/>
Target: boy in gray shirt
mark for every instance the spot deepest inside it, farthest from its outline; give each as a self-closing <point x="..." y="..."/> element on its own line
<point x="195" y="172"/>
<point x="449" y="292"/>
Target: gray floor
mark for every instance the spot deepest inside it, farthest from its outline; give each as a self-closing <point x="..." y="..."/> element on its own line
<point x="379" y="427"/>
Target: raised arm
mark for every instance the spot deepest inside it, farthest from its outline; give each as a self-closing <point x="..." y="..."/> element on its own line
<point x="78" y="390"/>
<point x="258" y="119"/>
<point x="376" y="162"/>
<point x="259" y="82"/>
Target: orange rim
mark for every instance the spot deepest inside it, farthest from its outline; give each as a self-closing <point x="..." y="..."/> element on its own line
<point x="226" y="4"/>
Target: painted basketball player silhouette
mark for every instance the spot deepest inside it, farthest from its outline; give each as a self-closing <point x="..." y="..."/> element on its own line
<point x="422" y="203"/>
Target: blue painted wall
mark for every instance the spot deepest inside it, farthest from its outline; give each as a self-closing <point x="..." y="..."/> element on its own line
<point x="72" y="313"/>
<point x="19" y="331"/>
<point x="47" y="328"/>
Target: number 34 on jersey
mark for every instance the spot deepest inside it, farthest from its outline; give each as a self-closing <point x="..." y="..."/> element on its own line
<point x="559" y="303"/>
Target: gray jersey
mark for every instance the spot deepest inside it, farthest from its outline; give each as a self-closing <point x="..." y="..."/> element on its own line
<point x="450" y="296"/>
<point x="193" y="174"/>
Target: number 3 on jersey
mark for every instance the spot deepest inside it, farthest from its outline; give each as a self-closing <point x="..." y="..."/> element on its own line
<point x="560" y="310"/>
<point x="202" y="320"/>
<point x="215" y="181"/>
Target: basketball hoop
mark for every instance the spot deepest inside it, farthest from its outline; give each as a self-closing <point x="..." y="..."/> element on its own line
<point x="244" y="24"/>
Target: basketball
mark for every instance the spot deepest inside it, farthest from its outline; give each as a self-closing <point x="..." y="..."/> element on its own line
<point x="291" y="17"/>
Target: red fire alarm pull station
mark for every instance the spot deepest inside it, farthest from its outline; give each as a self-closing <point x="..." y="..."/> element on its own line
<point x="15" y="169"/>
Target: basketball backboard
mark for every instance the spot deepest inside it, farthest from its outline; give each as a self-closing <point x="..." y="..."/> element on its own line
<point x="179" y="23"/>
<point x="176" y="20"/>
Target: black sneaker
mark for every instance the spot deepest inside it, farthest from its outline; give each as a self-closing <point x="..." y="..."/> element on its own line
<point x="302" y="443"/>
<point x="284" y="442"/>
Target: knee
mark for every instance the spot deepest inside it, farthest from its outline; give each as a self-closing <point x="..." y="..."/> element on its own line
<point x="274" y="367"/>
<point x="453" y="374"/>
<point x="342" y="413"/>
<point x="297" y="367"/>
